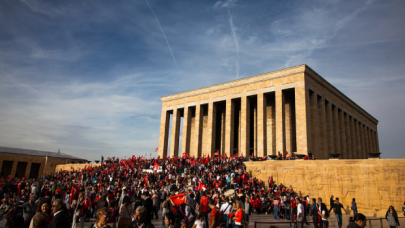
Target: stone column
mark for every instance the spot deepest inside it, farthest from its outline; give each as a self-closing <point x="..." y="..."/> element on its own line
<point x="261" y="125"/>
<point x="354" y="154"/>
<point x="271" y="125"/>
<point x="174" y="145"/>
<point x="302" y="119"/>
<point x="373" y="141"/>
<point x="342" y="124"/>
<point x="280" y="140"/>
<point x="314" y="125"/>
<point x="198" y="128"/>
<point x="322" y="129"/>
<point x="363" y="150"/>
<point x="28" y="170"/>
<point x="358" y="141"/>
<point x="377" y="144"/>
<point x="185" y="140"/>
<point x="211" y="129"/>
<point x="164" y="133"/>
<point x="372" y="144"/>
<point x="223" y="131"/>
<point x="229" y="128"/>
<point x="336" y="131"/>
<point x="348" y="137"/>
<point x="288" y="128"/>
<point x="245" y="125"/>
<point x="254" y="129"/>
<point x="14" y="168"/>
<point x="329" y="129"/>
<point x="366" y="141"/>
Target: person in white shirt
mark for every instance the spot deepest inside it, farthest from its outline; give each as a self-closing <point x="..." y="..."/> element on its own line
<point x="199" y="223"/>
<point x="300" y="212"/>
<point x="226" y="208"/>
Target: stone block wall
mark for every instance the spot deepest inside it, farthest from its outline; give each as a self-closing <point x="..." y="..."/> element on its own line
<point x="375" y="183"/>
<point x="68" y="167"/>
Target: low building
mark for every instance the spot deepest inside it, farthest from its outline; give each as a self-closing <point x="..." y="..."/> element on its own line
<point x="32" y="163"/>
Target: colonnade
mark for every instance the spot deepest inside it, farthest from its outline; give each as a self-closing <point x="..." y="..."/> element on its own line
<point x="260" y="124"/>
<point x="334" y="131"/>
<point x="285" y="120"/>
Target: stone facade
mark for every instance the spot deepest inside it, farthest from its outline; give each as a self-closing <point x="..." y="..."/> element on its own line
<point x="374" y="183"/>
<point x="293" y="110"/>
<point x="68" y="167"/>
<point x="31" y="163"/>
<point x="28" y="165"/>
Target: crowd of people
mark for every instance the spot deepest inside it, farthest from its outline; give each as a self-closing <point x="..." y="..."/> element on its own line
<point x="184" y="192"/>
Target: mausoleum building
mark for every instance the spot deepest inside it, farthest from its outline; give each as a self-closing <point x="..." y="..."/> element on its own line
<point x="289" y="110"/>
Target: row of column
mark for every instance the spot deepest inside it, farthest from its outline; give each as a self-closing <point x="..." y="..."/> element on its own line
<point x="334" y="131"/>
<point x="274" y="125"/>
<point x="14" y="168"/>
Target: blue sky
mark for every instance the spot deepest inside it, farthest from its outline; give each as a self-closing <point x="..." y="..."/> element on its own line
<point x="86" y="77"/>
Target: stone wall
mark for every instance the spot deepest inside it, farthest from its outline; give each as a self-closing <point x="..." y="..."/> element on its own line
<point x="47" y="164"/>
<point x="375" y="183"/>
<point x="68" y="167"/>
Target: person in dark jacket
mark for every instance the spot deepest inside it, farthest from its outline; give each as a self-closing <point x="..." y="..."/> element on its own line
<point x="140" y="219"/>
<point x="60" y="218"/>
<point x="314" y="213"/>
<point x="102" y="202"/>
<point x="354" y="207"/>
<point x="148" y="204"/>
<point x="360" y="221"/>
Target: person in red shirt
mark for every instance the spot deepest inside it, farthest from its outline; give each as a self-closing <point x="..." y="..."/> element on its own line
<point x="293" y="207"/>
<point x="213" y="216"/>
<point x="204" y="207"/>
<point x="238" y="215"/>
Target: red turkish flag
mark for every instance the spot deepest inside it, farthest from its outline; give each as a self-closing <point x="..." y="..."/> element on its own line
<point x="73" y="192"/>
<point x="201" y="186"/>
<point x="207" y="160"/>
<point x="87" y="203"/>
<point x="156" y="166"/>
<point x="216" y="153"/>
<point x="178" y="199"/>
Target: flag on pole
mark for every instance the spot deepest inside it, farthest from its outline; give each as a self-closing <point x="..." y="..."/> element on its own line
<point x="216" y="153"/>
<point x="207" y="160"/>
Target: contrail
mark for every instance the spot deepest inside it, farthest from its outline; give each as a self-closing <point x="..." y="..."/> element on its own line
<point x="235" y="39"/>
<point x="162" y="31"/>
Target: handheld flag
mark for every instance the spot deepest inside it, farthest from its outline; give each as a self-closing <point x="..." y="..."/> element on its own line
<point x="207" y="160"/>
<point x="73" y="192"/>
<point x="178" y="199"/>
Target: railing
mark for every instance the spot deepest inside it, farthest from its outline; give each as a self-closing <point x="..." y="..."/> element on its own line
<point x="381" y="221"/>
<point x="292" y="222"/>
<point x="296" y="222"/>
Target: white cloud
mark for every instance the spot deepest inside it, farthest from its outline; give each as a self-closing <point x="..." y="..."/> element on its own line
<point x="225" y="4"/>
